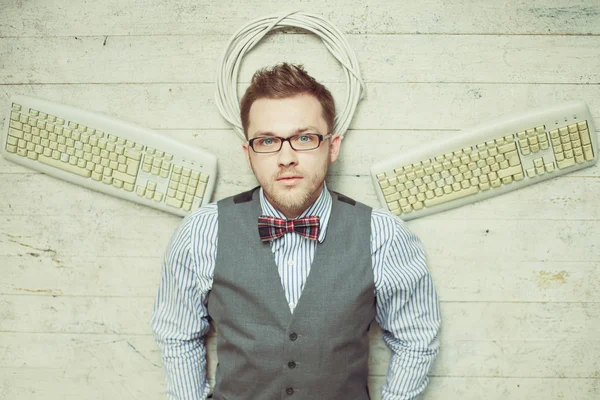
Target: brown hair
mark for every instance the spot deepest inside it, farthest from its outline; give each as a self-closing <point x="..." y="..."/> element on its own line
<point x="282" y="81"/>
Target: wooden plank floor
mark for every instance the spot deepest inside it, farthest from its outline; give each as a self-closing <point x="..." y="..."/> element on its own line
<point x="518" y="275"/>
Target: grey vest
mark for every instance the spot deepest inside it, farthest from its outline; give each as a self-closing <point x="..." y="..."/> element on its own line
<point x="321" y="350"/>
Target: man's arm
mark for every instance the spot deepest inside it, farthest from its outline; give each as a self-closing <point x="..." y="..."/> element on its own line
<point x="180" y="316"/>
<point x="407" y="306"/>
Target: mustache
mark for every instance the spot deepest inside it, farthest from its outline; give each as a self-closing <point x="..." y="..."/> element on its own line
<point x="287" y="172"/>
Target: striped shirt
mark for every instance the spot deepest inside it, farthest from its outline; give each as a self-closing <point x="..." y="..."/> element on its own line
<point x="407" y="303"/>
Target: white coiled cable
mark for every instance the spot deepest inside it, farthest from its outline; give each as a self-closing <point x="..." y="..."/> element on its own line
<point x="249" y="35"/>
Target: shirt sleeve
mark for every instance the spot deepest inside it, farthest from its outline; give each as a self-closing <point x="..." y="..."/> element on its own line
<point x="180" y="317"/>
<point x="407" y="306"/>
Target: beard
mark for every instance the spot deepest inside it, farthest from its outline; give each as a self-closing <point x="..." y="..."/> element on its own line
<point x="292" y="201"/>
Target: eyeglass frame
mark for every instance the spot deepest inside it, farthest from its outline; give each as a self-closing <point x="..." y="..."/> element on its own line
<point x="289" y="140"/>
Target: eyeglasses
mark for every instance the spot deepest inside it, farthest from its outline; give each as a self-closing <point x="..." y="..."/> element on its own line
<point x="300" y="142"/>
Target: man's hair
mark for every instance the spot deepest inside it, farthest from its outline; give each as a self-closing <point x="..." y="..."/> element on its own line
<point x="282" y="81"/>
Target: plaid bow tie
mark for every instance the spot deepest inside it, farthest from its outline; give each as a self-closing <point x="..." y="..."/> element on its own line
<point x="271" y="228"/>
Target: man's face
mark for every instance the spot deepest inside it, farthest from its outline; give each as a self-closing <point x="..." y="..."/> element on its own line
<point x="292" y="180"/>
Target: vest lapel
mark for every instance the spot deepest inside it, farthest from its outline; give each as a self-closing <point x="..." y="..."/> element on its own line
<point x="321" y="260"/>
<point x="268" y="270"/>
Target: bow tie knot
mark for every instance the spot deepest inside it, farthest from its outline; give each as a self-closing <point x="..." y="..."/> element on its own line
<point x="271" y="228"/>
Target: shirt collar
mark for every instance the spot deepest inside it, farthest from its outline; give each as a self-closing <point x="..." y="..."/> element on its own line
<point x="320" y="208"/>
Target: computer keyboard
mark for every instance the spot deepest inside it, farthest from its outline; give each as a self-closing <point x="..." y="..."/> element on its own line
<point x="108" y="155"/>
<point x="487" y="160"/>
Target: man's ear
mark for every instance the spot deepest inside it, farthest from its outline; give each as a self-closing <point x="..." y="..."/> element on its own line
<point x="246" y="149"/>
<point x="334" y="147"/>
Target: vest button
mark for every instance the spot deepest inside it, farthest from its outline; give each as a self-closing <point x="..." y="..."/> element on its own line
<point x="293" y="336"/>
<point x="292" y="364"/>
<point x="289" y="391"/>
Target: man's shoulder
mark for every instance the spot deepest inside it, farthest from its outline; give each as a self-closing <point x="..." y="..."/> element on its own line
<point x="384" y="216"/>
<point x="386" y="224"/>
<point x="210" y="211"/>
<point x="201" y="216"/>
<point x="243" y="197"/>
<point x="342" y="198"/>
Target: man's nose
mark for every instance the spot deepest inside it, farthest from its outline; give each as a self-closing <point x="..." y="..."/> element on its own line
<point x="287" y="155"/>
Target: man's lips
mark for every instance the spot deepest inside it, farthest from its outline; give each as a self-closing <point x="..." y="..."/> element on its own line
<point x="289" y="178"/>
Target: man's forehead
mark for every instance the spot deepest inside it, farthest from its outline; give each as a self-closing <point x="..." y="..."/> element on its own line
<point x="286" y="116"/>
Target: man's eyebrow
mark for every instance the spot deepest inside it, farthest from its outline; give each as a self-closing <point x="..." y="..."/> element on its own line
<point x="299" y="130"/>
<point x="264" y="134"/>
<point x="308" y="128"/>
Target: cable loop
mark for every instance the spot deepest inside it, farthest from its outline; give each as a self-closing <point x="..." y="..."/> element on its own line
<point x="249" y="35"/>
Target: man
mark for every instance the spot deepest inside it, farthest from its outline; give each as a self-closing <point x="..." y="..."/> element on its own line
<point x="291" y="273"/>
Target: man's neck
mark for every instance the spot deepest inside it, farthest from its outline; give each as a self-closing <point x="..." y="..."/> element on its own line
<point x="292" y="214"/>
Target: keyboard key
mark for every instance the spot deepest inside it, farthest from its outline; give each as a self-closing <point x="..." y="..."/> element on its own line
<point x="132" y="153"/>
<point x="587" y="150"/>
<point x="567" y="162"/>
<point x="123" y="177"/>
<point x="585" y="137"/>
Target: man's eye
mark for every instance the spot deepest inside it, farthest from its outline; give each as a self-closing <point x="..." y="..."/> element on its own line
<point x="266" y="142"/>
<point x="304" y="138"/>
